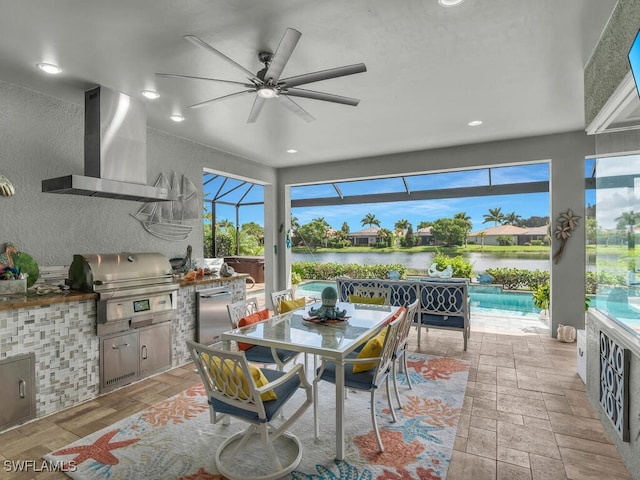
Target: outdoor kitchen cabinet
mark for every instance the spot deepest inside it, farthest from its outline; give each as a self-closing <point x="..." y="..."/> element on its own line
<point x="119" y="361"/>
<point x="18" y="400"/>
<point x="136" y="354"/>
<point x="155" y="349"/>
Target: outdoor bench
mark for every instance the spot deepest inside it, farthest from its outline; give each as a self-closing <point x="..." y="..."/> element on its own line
<point x="444" y="303"/>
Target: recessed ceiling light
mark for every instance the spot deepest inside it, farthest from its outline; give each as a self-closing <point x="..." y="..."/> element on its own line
<point x="49" y="68"/>
<point x="292" y="150"/>
<point x="176" y="117"/>
<point x="150" y="94"/>
<point x="475" y="123"/>
<point x="450" y="3"/>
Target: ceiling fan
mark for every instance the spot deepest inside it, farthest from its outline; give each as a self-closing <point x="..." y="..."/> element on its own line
<point x="267" y="84"/>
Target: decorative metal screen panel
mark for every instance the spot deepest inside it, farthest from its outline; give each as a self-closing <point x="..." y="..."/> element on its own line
<point x="614" y="386"/>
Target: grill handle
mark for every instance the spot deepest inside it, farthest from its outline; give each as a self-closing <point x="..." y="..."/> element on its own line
<point x="103" y="282"/>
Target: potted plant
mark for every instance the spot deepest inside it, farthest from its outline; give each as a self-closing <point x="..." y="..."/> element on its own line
<point x="296" y="278"/>
<point x="542" y="299"/>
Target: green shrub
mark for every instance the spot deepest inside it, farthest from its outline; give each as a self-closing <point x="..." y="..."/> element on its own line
<point x="537" y="243"/>
<point x="326" y="271"/>
<point x="542" y="296"/>
<point x="296" y="278"/>
<point x="505" y="240"/>
<point x="515" y="278"/>
<point x="462" y="267"/>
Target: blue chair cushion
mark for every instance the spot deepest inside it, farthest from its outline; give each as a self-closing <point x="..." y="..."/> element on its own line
<point x="360" y="381"/>
<point x="262" y="354"/>
<point x="271" y="407"/>
<point x="443" y="280"/>
<point x="442" y="320"/>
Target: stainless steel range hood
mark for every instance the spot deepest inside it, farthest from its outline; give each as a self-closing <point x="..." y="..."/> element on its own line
<point x="115" y="151"/>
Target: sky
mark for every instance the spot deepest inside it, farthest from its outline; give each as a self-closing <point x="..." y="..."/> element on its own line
<point x="525" y="205"/>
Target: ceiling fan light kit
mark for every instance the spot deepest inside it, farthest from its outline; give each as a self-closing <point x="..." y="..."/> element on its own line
<point x="267" y="84"/>
<point x="450" y="3"/>
<point x="266" y="91"/>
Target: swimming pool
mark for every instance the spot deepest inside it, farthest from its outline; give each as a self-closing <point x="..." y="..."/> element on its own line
<point x="485" y="299"/>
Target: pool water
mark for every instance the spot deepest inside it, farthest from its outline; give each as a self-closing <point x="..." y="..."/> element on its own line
<point x="485" y="299"/>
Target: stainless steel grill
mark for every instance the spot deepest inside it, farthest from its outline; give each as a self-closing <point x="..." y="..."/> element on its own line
<point x="137" y="300"/>
<point x="135" y="289"/>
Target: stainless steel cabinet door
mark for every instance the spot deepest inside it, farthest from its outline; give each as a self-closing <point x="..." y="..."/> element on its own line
<point x="18" y="398"/>
<point x="155" y="349"/>
<point x="119" y="360"/>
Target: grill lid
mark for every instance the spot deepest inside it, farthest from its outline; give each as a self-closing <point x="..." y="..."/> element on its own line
<point x="97" y="272"/>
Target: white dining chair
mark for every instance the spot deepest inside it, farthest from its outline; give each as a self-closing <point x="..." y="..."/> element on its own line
<point x="369" y="380"/>
<point x="255" y="396"/>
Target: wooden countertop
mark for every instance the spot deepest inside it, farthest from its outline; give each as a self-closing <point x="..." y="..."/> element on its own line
<point x="211" y="279"/>
<point x="32" y="299"/>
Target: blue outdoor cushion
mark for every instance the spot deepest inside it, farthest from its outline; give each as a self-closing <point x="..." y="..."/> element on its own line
<point x="442" y="320"/>
<point x="271" y="407"/>
<point x="262" y="354"/>
<point x="360" y="380"/>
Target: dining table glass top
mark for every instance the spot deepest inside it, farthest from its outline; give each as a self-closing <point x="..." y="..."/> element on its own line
<point x="293" y="330"/>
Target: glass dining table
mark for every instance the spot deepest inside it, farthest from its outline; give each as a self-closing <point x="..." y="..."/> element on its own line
<point x="293" y="331"/>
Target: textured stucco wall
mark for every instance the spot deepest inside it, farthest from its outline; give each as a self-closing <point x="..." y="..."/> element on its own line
<point x="609" y="63"/>
<point x="42" y="137"/>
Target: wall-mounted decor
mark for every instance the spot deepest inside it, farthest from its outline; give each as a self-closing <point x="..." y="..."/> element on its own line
<point x="566" y="223"/>
<point x="166" y="219"/>
<point x="6" y="188"/>
<point x="614" y="386"/>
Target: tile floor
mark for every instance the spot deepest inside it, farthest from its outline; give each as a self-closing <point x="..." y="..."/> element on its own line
<point x="525" y="414"/>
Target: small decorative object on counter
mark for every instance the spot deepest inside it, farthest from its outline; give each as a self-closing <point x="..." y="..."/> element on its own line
<point x="226" y="270"/>
<point x="6" y="188"/>
<point x="23" y="262"/>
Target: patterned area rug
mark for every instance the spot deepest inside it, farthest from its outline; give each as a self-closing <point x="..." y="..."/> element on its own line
<point x="175" y="440"/>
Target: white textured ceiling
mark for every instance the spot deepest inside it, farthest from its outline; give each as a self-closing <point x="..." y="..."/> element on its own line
<point x="515" y="64"/>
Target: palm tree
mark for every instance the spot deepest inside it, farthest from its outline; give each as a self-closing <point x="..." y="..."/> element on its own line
<point x="401" y="225"/>
<point x="495" y="215"/>
<point x="370" y="219"/>
<point x="629" y="219"/>
<point x="424" y="224"/>
<point x="295" y="223"/>
<point x="512" y="219"/>
<point x="386" y="234"/>
<point x="482" y="234"/>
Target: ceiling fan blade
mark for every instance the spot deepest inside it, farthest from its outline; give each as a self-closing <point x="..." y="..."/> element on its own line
<point x="173" y="75"/>
<point x="323" y="75"/>
<point x="295" y="108"/>
<point x="327" y="97"/>
<point x="283" y="53"/>
<point x="201" y="43"/>
<point x="207" y="102"/>
<point x="258" y="103"/>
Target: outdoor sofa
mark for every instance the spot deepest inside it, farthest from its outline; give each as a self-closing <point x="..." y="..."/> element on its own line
<point x="444" y="303"/>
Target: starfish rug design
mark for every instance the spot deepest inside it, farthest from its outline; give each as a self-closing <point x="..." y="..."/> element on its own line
<point x="174" y="439"/>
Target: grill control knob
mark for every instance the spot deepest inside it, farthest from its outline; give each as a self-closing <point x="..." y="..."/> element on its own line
<point x="131" y="258"/>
